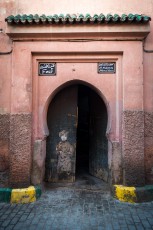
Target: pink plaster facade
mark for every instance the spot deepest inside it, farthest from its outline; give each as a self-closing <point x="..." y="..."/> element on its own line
<point x="25" y="96"/>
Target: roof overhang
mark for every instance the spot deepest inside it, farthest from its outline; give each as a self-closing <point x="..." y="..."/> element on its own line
<point x="106" y="29"/>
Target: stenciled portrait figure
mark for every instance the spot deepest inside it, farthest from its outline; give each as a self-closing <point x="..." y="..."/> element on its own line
<point x="66" y="155"/>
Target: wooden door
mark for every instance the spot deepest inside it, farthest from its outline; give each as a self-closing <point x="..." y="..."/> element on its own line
<point x="62" y="120"/>
<point x="98" y="146"/>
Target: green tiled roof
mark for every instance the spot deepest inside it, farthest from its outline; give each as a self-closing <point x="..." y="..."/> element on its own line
<point x="76" y="19"/>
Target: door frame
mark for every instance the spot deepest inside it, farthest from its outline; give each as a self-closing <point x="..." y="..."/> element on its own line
<point x="114" y="114"/>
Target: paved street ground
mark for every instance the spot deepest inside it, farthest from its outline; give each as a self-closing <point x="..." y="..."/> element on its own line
<point x="84" y="205"/>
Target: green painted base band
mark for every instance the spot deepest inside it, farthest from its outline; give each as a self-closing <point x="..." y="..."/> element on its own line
<point x="38" y="192"/>
<point x="145" y="194"/>
<point x="6" y="194"/>
<point x="133" y="194"/>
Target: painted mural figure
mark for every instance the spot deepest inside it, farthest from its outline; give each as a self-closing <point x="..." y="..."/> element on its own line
<point x="66" y="153"/>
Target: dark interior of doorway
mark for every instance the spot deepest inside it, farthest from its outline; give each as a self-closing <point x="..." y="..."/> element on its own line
<point x="92" y="144"/>
<point x="83" y="129"/>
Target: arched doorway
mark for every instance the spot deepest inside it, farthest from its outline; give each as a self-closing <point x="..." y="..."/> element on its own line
<point x="78" y="111"/>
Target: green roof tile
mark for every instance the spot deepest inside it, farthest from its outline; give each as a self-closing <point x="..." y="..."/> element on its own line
<point x="49" y="19"/>
<point x="146" y="18"/>
<point x="116" y="18"/>
<point x="81" y="16"/>
<point x="95" y="16"/>
<point x="101" y="18"/>
<point x="67" y="16"/>
<point x="10" y="19"/>
<point x="88" y="16"/>
<point x="109" y="18"/>
<point x="131" y="17"/>
<point x="123" y="18"/>
<point x="43" y="18"/>
<point x="23" y="18"/>
<point x="78" y="19"/>
<point x="61" y="16"/>
<point x="30" y="19"/>
<point x="17" y="19"/>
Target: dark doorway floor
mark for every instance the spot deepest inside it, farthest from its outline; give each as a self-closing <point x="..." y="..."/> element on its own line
<point x="84" y="181"/>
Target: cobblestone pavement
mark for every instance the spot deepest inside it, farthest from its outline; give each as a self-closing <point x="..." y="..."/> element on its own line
<point x="76" y="209"/>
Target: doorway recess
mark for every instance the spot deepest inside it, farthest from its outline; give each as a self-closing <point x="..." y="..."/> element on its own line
<point x="80" y="112"/>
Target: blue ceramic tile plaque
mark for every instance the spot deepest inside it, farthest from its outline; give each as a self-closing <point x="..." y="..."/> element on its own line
<point x="47" y="69"/>
<point x="107" y="67"/>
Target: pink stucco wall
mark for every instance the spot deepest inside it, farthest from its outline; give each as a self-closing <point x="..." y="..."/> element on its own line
<point x="25" y="96"/>
<point x="107" y="6"/>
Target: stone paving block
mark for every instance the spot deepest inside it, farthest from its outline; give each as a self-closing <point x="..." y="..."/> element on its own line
<point x="150" y="220"/>
<point x="129" y="221"/>
<point x="101" y="228"/>
<point x="146" y="224"/>
<point x="33" y="227"/>
<point x="47" y="227"/>
<point x="10" y="227"/>
<point x="139" y="226"/>
<point x="14" y="220"/>
<point x="5" y="223"/>
<point x="142" y="216"/>
<point x="18" y="226"/>
<point x="136" y="219"/>
<point x="23" y="218"/>
<point x="131" y="227"/>
<point x="116" y="227"/>
<point x="147" y="214"/>
<point x="108" y="226"/>
<point x="4" y="217"/>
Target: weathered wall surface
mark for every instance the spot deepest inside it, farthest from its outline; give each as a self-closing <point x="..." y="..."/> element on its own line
<point x="133" y="147"/>
<point x="117" y="166"/>
<point x="16" y="93"/>
<point x="20" y="150"/>
<point x="38" y="161"/>
<point x="4" y="148"/>
<point x="86" y="6"/>
<point x="149" y="147"/>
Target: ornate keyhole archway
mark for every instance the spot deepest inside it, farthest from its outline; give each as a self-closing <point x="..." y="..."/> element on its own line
<point x="81" y="112"/>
